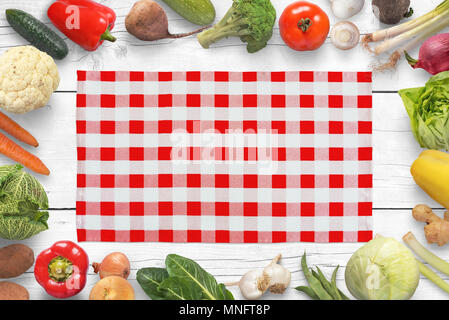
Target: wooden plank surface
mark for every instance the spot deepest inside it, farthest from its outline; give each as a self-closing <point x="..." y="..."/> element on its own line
<point x="128" y="53"/>
<point x="227" y="262"/>
<point x="394" y="146"/>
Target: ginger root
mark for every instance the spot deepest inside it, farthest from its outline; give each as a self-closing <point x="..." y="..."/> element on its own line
<point x="437" y="229"/>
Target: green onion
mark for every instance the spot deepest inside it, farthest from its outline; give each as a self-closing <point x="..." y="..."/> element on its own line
<point x="409" y="34"/>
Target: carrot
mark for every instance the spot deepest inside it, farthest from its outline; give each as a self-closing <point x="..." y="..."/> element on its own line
<point x="13" y="128"/>
<point x="15" y="152"/>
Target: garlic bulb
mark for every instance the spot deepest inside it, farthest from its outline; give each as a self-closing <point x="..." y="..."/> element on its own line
<point x="279" y="278"/>
<point x="344" y="9"/>
<point x="255" y="283"/>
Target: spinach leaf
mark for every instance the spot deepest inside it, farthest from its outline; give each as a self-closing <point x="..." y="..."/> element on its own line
<point x="201" y="280"/>
<point x="226" y="293"/>
<point x="180" y="288"/>
<point x="150" y="280"/>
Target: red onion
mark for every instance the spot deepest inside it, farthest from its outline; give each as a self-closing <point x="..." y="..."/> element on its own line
<point x="433" y="54"/>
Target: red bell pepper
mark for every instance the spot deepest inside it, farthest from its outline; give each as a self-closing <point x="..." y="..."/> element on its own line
<point x="62" y="269"/>
<point x="85" y="22"/>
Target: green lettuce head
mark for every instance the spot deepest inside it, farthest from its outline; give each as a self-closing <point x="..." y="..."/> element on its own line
<point x="22" y="199"/>
<point x="428" y="109"/>
<point x="383" y="269"/>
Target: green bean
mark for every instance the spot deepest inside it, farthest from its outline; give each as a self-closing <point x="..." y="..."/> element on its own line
<point x="334" y="276"/>
<point x="308" y="291"/>
<point x="314" y="283"/>
<point x="315" y="274"/>
<point x="327" y="285"/>
<point x="334" y="283"/>
<point x="343" y="295"/>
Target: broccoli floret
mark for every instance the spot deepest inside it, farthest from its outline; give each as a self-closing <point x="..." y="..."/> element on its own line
<point x="251" y="20"/>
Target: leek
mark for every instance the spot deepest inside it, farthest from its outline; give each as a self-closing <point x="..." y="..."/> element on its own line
<point x="436" y="262"/>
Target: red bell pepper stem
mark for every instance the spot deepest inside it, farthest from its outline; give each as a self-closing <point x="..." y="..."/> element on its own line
<point x="108" y="36"/>
<point x="60" y="269"/>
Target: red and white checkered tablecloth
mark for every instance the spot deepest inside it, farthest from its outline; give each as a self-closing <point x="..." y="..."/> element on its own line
<point x="233" y="157"/>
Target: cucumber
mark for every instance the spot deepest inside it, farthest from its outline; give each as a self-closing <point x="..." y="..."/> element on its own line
<point x="37" y="33"/>
<point x="201" y="12"/>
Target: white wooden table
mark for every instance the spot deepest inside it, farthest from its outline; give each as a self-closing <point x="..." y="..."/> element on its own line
<point x="394" y="146"/>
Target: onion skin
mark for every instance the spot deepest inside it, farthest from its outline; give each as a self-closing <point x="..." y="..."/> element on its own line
<point x="433" y="55"/>
<point x="114" y="264"/>
<point x="112" y="288"/>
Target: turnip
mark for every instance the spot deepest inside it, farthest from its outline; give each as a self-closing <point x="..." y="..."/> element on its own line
<point x="148" y="21"/>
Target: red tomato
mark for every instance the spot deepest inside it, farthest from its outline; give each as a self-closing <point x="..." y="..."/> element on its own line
<point x="304" y="26"/>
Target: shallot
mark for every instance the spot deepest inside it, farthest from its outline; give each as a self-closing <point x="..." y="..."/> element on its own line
<point x="433" y="55"/>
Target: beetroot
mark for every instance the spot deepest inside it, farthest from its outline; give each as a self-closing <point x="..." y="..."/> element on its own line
<point x="148" y="21"/>
<point x="433" y="55"/>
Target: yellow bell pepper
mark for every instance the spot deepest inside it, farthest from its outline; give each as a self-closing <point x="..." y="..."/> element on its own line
<point x="431" y="172"/>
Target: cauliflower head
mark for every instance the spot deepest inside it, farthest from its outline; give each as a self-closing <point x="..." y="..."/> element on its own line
<point x="28" y="77"/>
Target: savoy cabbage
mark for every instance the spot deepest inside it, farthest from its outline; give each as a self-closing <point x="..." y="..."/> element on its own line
<point x="22" y="201"/>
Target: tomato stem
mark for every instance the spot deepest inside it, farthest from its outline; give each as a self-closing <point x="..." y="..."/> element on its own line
<point x="305" y="24"/>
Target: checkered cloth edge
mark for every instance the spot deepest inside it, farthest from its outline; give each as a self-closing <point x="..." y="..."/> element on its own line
<point x="230" y="157"/>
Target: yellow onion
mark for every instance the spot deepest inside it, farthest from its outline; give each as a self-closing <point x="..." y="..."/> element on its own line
<point x="112" y="288"/>
<point x="114" y="264"/>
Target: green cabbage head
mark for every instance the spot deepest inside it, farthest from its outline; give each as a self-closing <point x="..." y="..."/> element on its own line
<point x="428" y="109"/>
<point x="383" y="269"/>
<point x="22" y="201"/>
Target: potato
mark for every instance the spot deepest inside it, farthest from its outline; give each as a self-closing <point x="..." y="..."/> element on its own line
<point x="13" y="291"/>
<point x="15" y="259"/>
